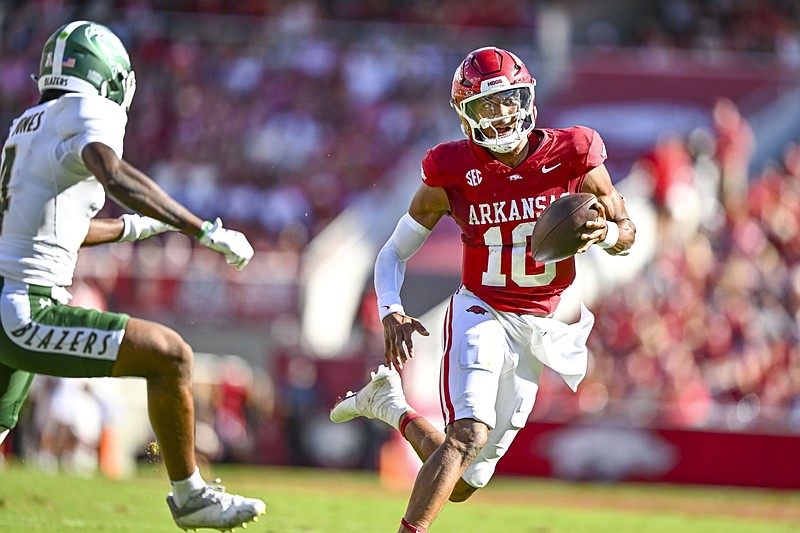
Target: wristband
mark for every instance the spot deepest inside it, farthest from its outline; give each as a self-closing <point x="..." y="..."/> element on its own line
<point x="205" y="227"/>
<point x="129" y="233"/>
<point x="388" y="309"/>
<point x="413" y="529"/>
<point x="612" y="235"/>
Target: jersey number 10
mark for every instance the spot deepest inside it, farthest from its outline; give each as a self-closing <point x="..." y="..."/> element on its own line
<point x="494" y="277"/>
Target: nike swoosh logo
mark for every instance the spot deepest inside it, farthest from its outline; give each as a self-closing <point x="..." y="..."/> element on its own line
<point x="545" y="170"/>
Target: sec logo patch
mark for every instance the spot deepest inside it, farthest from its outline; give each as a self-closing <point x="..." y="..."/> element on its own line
<point x="474" y="177"/>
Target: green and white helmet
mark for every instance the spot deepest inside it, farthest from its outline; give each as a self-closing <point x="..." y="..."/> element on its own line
<point x="87" y="57"/>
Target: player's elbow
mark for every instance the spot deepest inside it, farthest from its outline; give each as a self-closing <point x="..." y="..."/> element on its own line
<point x="115" y="184"/>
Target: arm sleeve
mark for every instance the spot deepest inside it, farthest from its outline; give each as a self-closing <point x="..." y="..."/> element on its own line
<point x="390" y="266"/>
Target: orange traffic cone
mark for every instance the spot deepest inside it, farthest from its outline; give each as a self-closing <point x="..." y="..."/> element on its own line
<point x="110" y="453"/>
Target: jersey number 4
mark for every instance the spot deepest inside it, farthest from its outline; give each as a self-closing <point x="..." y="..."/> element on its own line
<point x="494" y="276"/>
<point x="9" y="154"/>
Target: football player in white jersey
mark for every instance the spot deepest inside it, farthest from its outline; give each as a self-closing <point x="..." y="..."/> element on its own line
<point x="61" y="158"/>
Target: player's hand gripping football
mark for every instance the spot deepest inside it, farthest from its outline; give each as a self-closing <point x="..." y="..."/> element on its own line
<point x="230" y="243"/>
<point x="397" y="332"/>
<point x="597" y="229"/>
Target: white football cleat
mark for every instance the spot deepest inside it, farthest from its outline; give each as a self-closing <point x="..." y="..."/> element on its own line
<point x="211" y="507"/>
<point x="381" y="398"/>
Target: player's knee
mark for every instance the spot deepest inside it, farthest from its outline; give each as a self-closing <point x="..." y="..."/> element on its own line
<point x="164" y="353"/>
<point x="468" y="438"/>
<point x="179" y="355"/>
<point x="462" y="491"/>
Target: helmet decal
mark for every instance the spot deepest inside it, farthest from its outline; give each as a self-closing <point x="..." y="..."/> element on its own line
<point x="108" y="44"/>
<point x="487" y="85"/>
<point x="61" y="41"/>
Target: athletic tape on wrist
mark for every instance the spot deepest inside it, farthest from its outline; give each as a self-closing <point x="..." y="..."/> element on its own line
<point x="128" y="232"/>
<point x="612" y="235"/>
<point x="204" y="228"/>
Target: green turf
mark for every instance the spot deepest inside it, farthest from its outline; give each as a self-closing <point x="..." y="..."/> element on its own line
<point x="304" y="500"/>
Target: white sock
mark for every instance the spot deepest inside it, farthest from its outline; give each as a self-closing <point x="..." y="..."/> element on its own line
<point x="183" y="489"/>
<point x="3" y="433"/>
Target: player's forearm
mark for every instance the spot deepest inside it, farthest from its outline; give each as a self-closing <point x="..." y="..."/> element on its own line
<point x="103" y="230"/>
<point x="133" y="189"/>
<point x="627" y="235"/>
<point x="390" y="265"/>
<point x="620" y="237"/>
<point x="390" y="272"/>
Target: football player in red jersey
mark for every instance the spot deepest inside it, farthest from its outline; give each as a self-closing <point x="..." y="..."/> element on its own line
<point x="499" y="330"/>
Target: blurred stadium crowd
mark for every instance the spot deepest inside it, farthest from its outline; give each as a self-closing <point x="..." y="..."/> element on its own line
<point x="276" y="115"/>
<point x="708" y="334"/>
<point x="274" y="126"/>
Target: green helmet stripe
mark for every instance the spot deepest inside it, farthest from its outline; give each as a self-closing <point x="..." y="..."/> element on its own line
<point x="61" y="42"/>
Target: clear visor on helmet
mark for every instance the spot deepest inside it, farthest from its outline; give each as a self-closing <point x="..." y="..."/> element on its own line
<point x="497" y="105"/>
<point x="499" y="120"/>
<point x="501" y="108"/>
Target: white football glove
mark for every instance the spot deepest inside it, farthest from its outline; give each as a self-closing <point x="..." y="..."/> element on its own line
<point x="230" y="243"/>
<point x="138" y="227"/>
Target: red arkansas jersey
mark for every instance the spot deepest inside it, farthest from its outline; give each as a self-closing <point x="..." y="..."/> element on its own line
<point x="496" y="207"/>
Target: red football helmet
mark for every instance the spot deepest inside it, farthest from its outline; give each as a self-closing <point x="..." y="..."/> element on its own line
<point x="493" y="94"/>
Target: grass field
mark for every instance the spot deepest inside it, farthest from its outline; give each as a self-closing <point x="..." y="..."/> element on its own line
<point x="318" y="501"/>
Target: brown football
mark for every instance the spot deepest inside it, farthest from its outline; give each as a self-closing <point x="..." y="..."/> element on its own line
<point x="557" y="233"/>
